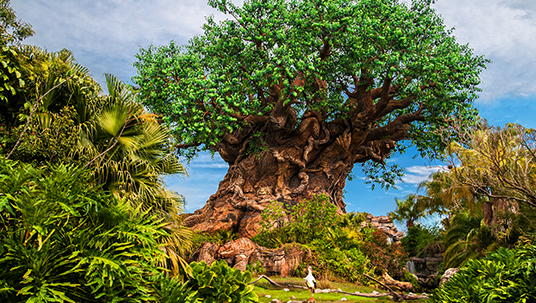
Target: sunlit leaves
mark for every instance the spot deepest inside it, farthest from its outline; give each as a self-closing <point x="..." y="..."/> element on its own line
<point x="207" y="88"/>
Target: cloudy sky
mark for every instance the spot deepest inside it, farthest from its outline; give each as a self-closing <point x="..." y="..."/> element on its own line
<point x="105" y="35"/>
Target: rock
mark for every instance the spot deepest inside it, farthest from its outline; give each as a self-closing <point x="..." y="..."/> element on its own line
<point x="268" y="296"/>
<point x="384" y="219"/>
<point x="286" y="289"/>
<point x="276" y="301"/>
<point x="344" y="299"/>
<point x="282" y="261"/>
<point x="239" y="253"/>
<point x="385" y="224"/>
<point x="207" y="253"/>
<point x="448" y="275"/>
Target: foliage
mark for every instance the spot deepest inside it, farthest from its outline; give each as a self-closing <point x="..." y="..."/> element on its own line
<point x="173" y="290"/>
<point x="423" y="241"/>
<point x="299" y="223"/>
<point x="408" y="210"/>
<point x="332" y="263"/>
<point x="466" y="239"/>
<point x="497" y="163"/>
<point x="64" y="240"/>
<point x="256" y="269"/>
<point x="507" y="275"/>
<point x="385" y="257"/>
<point x="220" y="283"/>
<point x="56" y="98"/>
<point x="330" y="59"/>
<point x="12" y="31"/>
<point x="342" y="246"/>
<point x="442" y="195"/>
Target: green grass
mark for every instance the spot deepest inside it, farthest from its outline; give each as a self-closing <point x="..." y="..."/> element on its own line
<point x="263" y="288"/>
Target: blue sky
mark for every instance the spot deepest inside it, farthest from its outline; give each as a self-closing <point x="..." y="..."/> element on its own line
<point x="106" y="34"/>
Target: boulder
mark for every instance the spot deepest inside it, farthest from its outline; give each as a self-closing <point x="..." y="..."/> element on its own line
<point x="239" y="253"/>
<point x="448" y="275"/>
<point x="207" y="252"/>
<point x="282" y="261"/>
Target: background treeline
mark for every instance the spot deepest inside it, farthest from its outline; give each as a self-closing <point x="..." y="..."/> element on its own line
<point x="485" y="198"/>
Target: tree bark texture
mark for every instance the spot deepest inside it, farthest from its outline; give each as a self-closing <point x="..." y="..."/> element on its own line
<point x="280" y="157"/>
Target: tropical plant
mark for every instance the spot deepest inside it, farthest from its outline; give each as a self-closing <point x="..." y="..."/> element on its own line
<point x="129" y="154"/>
<point x="467" y="238"/>
<point x="221" y="283"/>
<point x="499" y="164"/>
<point x="174" y="290"/>
<point x="41" y="119"/>
<point x="507" y="275"/>
<point x="408" y="210"/>
<point x="442" y="194"/>
<point x="64" y="240"/>
<point x="423" y="241"/>
<point x="292" y="94"/>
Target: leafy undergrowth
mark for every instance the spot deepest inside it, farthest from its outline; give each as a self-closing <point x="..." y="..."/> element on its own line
<point x="263" y="288"/>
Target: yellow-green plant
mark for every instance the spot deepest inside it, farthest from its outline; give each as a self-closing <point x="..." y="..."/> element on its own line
<point x="220" y="283"/>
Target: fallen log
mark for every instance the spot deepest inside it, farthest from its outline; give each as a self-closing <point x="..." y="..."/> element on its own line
<point x="277" y="284"/>
<point x="405" y="286"/>
<point x="398" y="296"/>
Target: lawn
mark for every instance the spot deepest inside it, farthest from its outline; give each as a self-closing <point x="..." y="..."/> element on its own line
<point x="264" y="288"/>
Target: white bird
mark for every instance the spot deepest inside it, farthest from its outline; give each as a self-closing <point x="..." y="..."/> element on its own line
<point x="310" y="281"/>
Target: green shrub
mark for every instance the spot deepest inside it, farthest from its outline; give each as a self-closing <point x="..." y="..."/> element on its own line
<point x="420" y="239"/>
<point x="507" y="275"/>
<point x="173" y="290"/>
<point x="63" y="240"/>
<point x="385" y="257"/>
<point x="219" y="283"/>
<point x="299" y="223"/>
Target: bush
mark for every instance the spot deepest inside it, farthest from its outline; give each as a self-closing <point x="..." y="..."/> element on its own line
<point x="62" y="240"/>
<point x="420" y="240"/>
<point x="220" y="283"/>
<point x="385" y="257"/>
<point x="299" y="223"/>
<point x="507" y="275"/>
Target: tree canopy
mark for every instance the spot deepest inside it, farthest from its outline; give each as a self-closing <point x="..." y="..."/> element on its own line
<point x="377" y="65"/>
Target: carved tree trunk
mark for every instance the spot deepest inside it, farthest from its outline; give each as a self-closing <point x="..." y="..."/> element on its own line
<point x="291" y="161"/>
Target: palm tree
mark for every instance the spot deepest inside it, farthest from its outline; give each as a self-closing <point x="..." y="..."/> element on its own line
<point x="408" y="210"/>
<point x="468" y="238"/>
<point x="130" y="152"/>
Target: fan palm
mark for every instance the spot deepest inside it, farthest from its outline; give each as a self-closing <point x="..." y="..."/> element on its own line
<point x="468" y="238"/>
<point x="130" y="152"/>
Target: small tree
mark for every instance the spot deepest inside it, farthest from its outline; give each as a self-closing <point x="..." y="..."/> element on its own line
<point x="408" y="210"/>
<point x="500" y="165"/>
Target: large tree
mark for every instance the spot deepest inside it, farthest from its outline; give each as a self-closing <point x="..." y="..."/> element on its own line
<point x="292" y="94"/>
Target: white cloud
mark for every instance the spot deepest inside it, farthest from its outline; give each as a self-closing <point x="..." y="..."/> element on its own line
<point x="418" y="174"/>
<point x="503" y="31"/>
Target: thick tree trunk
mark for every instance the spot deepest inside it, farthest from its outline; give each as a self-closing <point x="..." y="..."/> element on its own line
<point x="268" y="176"/>
<point x="280" y="157"/>
<point x="287" y="164"/>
